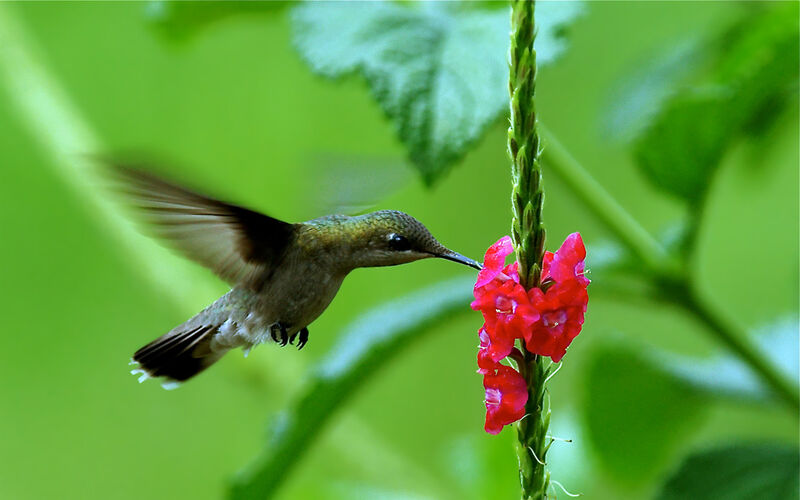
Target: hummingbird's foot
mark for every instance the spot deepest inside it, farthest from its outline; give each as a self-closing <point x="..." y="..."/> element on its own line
<point x="303" y="338"/>
<point x="279" y="329"/>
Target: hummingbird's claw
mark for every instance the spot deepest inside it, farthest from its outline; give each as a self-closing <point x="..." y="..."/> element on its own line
<point x="303" y="338"/>
<point x="272" y="331"/>
<point x="279" y="329"/>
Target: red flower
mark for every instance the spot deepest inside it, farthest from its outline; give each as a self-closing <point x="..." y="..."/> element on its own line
<point x="567" y="264"/>
<point x="485" y="362"/>
<point x="506" y="395"/>
<point x="507" y="314"/>
<point x="561" y="311"/>
<point x="563" y="305"/>
<point x="506" y="308"/>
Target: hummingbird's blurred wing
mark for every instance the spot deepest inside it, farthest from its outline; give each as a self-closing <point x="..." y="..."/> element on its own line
<point x="242" y="246"/>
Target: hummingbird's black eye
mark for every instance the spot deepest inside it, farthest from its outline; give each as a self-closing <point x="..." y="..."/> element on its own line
<point x="398" y="242"/>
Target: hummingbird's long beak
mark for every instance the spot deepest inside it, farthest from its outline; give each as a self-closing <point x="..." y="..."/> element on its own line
<point x="457" y="257"/>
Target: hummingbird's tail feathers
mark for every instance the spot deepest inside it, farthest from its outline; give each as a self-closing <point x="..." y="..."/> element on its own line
<point x="178" y="355"/>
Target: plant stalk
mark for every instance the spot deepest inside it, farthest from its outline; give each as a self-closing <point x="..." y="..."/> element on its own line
<point x="735" y="338"/>
<point x="528" y="233"/>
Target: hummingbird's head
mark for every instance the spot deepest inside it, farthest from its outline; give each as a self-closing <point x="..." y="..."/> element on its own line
<point x="390" y="237"/>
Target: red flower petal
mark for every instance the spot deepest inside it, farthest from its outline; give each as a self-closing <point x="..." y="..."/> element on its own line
<point x="485" y="362"/>
<point x="506" y="395"/>
<point x="502" y="341"/>
<point x="494" y="260"/>
<point x="512" y="271"/>
<point x="568" y="262"/>
<point x="546" y="263"/>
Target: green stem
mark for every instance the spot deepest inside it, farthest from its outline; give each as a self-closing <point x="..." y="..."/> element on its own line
<point x="664" y="269"/>
<point x="735" y="337"/>
<point x="527" y="195"/>
<point x="605" y="207"/>
<point x="532" y="441"/>
<point x="527" y="231"/>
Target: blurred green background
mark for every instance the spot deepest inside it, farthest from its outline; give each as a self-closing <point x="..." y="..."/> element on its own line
<point x="232" y="110"/>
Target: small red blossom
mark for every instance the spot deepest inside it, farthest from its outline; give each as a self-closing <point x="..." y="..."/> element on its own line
<point x="506" y="308"/>
<point x="485" y="362"/>
<point x="506" y="395"/>
<point x="567" y="264"/>
<point x="561" y="309"/>
<point x="507" y="314"/>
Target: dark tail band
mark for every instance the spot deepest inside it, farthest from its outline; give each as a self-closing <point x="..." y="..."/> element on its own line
<point x="178" y="356"/>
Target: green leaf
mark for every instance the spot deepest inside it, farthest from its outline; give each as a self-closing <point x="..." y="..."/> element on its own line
<point x="751" y="79"/>
<point x="642" y="92"/>
<point x="633" y="408"/>
<point x="739" y="472"/>
<point x="181" y="20"/>
<point x="681" y="150"/>
<point x="370" y="342"/>
<point x="438" y="69"/>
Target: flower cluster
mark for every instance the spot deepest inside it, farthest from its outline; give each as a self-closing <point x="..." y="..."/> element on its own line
<point x="545" y="318"/>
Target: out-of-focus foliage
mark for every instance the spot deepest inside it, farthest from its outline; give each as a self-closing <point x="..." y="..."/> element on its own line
<point x="633" y="408"/>
<point x="432" y="66"/>
<point x="184" y="19"/>
<point x="727" y="376"/>
<point x="633" y="389"/>
<point x="474" y="464"/>
<point x="248" y="119"/>
<point x="374" y="338"/>
<point x="739" y="472"/>
<point x="754" y="74"/>
<point x="642" y="92"/>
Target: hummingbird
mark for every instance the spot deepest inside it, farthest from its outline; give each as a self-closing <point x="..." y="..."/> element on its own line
<point x="283" y="275"/>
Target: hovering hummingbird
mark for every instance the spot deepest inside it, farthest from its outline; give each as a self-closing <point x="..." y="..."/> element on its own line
<point x="283" y="275"/>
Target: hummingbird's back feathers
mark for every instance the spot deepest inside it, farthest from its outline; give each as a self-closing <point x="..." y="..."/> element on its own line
<point x="240" y="245"/>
